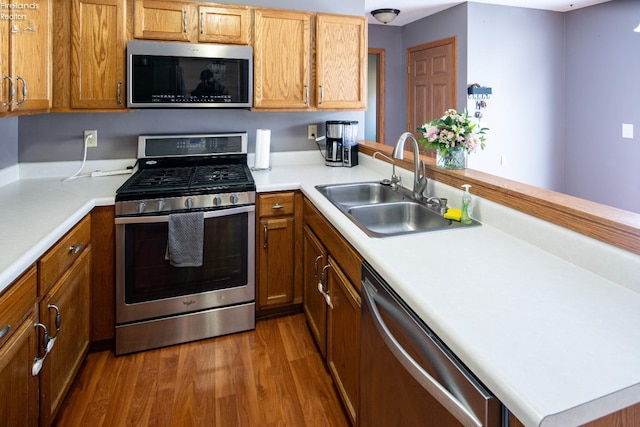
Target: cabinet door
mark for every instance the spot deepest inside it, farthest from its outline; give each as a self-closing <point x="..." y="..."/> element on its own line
<point x="71" y="296"/>
<point x="281" y="59"/>
<point x="162" y="20"/>
<point x="98" y="43"/>
<point x="314" y="305"/>
<point x="223" y="25"/>
<point x="343" y="338"/>
<point x="18" y="388"/>
<point x="340" y="61"/>
<point x="276" y="281"/>
<point x="30" y="57"/>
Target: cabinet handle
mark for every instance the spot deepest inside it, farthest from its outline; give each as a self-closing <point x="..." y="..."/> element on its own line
<point x="322" y="277"/>
<point x="24" y="90"/>
<point x="77" y="248"/>
<point x="4" y="331"/>
<point x="277" y="206"/>
<point x="58" y="320"/>
<point x="321" y="95"/>
<point x="201" y="22"/>
<point x="12" y="91"/>
<point x="315" y="266"/>
<point x="327" y="299"/>
<point x="306" y="90"/>
<point x="266" y="235"/>
<point x="119" y="92"/>
<point x="184" y="21"/>
<point x="47" y="342"/>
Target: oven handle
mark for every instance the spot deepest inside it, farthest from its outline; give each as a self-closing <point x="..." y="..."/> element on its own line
<point x="165" y="218"/>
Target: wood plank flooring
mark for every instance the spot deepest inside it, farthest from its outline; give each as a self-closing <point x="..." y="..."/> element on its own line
<point x="272" y="376"/>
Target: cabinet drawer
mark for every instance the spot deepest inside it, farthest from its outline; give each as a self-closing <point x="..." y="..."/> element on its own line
<point x="276" y="204"/>
<point x="60" y="257"/>
<point x="16" y="302"/>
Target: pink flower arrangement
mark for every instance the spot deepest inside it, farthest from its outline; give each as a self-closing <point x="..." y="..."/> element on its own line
<point x="451" y="131"/>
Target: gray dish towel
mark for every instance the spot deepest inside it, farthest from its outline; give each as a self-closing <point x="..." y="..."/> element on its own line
<point x="186" y="239"/>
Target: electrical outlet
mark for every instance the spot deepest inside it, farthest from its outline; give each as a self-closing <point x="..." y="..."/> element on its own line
<point x="312" y="131"/>
<point x="91" y="138"/>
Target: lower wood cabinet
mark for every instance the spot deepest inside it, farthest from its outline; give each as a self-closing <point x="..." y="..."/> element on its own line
<point x="278" y="258"/>
<point x="65" y="311"/>
<point x="314" y="304"/>
<point x="332" y="274"/>
<point x="343" y="337"/>
<point x="18" y="350"/>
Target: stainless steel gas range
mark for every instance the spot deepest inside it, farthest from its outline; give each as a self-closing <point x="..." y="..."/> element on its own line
<point x="185" y="242"/>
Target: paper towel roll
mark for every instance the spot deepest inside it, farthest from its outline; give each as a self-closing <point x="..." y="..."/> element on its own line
<point x="263" y="146"/>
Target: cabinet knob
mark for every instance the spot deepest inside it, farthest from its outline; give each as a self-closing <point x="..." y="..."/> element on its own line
<point x="4" y="331"/>
<point x="76" y="248"/>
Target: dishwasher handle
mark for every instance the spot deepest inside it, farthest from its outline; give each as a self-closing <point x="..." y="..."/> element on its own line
<point x="440" y="393"/>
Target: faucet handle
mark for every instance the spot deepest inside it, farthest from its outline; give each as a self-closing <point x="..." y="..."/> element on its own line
<point x="423" y="170"/>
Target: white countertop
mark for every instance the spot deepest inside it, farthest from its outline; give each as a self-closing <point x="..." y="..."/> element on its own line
<point x="557" y="343"/>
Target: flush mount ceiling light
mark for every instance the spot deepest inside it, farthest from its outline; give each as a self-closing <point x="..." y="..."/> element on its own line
<point x="385" y="15"/>
<point x="637" y="29"/>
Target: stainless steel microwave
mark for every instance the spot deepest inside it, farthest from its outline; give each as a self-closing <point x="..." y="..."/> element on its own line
<point x="187" y="75"/>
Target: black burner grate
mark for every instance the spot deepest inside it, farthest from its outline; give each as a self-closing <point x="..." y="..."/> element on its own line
<point x="155" y="179"/>
<point x="205" y="176"/>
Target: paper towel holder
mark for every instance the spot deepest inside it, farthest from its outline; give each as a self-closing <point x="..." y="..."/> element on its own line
<point x="263" y="141"/>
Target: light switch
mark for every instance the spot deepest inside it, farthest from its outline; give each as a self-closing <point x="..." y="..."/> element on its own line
<point x="627" y="130"/>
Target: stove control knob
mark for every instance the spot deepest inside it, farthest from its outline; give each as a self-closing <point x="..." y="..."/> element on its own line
<point x="189" y="202"/>
<point x="233" y="199"/>
<point x="160" y="205"/>
<point x="217" y="201"/>
<point x="141" y="207"/>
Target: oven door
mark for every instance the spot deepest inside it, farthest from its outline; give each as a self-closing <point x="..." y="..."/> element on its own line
<point x="148" y="286"/>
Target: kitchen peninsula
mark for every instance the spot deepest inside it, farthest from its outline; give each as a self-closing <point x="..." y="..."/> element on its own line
<point x="553" y="340"/>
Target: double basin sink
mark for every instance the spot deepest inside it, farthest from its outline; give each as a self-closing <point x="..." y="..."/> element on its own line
<point x="382" y="211"/>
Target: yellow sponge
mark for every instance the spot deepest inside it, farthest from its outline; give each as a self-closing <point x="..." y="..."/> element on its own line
<point x="454" y="214"/>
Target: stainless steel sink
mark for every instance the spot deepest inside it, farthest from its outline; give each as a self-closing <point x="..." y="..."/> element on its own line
<point x="361" y="193"/>
<point x="381" y="211"/>
<point x="386" y="219"/>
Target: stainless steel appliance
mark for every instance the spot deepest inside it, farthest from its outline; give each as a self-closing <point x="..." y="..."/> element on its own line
<point x="157" y="303"/>
<point x="187" y="75"/>
<point x="408" y="377"/>
<point x="341" y="143"/>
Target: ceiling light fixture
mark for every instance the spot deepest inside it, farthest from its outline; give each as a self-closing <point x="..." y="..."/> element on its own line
<point x="637" y="29"/>
<point x="385" y="15"/>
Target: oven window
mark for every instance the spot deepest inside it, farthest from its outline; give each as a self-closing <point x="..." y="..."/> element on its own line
<point x="148" y="276"/>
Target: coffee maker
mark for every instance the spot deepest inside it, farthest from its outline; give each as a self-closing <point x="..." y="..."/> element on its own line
<point x="342" y="143"/>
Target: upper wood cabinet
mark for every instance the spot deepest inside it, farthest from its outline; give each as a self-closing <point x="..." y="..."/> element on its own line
<point x="341" y="47"/>
<point x="283" y="61"/>
<point x="281" y="52"/>
<point x="191" y="22"/>
<point x="26" y="58"/>
<point x="98" y="44"/>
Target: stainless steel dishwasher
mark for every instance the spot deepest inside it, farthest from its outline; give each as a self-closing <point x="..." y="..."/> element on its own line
<point x="408" y="377"/>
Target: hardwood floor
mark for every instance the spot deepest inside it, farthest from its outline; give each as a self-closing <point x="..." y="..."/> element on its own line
<point x="272" y="376"/>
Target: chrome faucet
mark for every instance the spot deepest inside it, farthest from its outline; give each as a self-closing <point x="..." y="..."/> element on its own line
<point x="395" y="179"/>
<point x="419" y="168"/>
